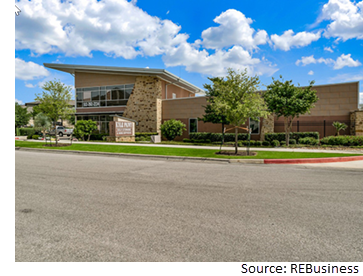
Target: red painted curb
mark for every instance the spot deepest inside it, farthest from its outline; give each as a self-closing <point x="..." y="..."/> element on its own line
<point x="313" y="160"/>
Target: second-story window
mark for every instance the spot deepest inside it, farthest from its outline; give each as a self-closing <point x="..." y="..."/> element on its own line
<point x="113" y="95"/>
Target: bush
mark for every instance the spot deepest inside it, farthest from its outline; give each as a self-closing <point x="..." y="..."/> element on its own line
<point x="266" y="143"/>
<point x="172" y="128"/>
<point x="293" y="135"/>
<point x="258" y="143"/>
<point x="186" y="140"/>
<point x="35" y="137"/>
<point x="217" y="137"/>
<point x="309" y="141"/>
<point x="98" y="136"/>
<point x="342" y="140"/>
<point x="292" y="142"/>
<point x="27" y="131"/>
<point x="275" y="143"/>
<point x="145" y="134"/>
<point x="283" y="143"/>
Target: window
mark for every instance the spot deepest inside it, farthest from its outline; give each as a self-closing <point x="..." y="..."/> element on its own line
<point x="255" y="126"/>
<point x="193" y="125"/>
<point x="112" y="95"/>
<point x="173" y="96"/>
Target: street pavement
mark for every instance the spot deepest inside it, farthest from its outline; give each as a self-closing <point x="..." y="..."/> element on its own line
<point x="97" y="208"/>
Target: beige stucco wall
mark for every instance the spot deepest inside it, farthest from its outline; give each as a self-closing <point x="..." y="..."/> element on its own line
<point x="335" y="100"/>
<point x="168" y="89"/>
<point x="93" y="79"/>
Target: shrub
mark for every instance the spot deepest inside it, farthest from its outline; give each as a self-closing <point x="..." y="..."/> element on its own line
<point x="292" y="142"/>
<point x="35" y="137"/>
<point x="342" y="140"/>
<point x="172" y="128"/>
<point x="293" y="135"/>
<point x="84" y="128"/>
<point x="265" y="143"/>
<point x="283" y="143"/>
<point x="217" y="137"/>
<point x="309" y="141"/>
<point x="145" y="134"/>
<point x="258" y="143"/>
<point x="98" y="136"/>
<point x="27" y="131"/>
<point x="186" y="140"/>
<point x="275" y="143"/>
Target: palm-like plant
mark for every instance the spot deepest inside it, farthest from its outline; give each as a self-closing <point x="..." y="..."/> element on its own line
<point x="338" y="127"/>
<point x="42" y="122"/>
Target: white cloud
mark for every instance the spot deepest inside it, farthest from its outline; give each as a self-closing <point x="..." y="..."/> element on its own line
<point x="234" y="29"/>
<point x="346" y="60"/>
<point x="328" y="49"/>
<point x="29" y="85"/>
<point x="288" y="40"/>
<point x="29" y="70"/>
<point x="346" y="19"/>
<point x="76" y="28"/>
<point x="311" y="73"/>
<point x="19" y="101"/>
<point x="121" y="29"/>
<point x="342" y="61"/>
<point x="216" y="64"/>
<point x="310" y="59"/>
<point x="347" y="77"/>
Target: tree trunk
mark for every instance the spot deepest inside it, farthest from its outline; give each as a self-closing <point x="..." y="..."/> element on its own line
<point x="288" y="126"/>
<point x="236" y="140"/>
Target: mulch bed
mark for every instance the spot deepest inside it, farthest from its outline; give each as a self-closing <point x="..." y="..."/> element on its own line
<point x="59" y="145"/>
<point x="240" y="153"/>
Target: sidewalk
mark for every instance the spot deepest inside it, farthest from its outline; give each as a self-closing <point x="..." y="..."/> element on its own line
<point x="358" y="151"/>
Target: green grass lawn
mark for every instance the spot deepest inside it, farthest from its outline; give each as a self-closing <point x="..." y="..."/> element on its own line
<point x="208" y="153"/>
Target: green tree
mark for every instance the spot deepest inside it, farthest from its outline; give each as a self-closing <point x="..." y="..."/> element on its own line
<point x="21" y="116"/>
<point x="54" y="102"/>
<point x="84" y="128"/>
<point x="285" y="99"/>
<point x="238" y="99"/>
<point x="172" y="128"/>
<point x="338" y="127"/>
<point x="42" y="123"/>
<point x="211" y="115"/>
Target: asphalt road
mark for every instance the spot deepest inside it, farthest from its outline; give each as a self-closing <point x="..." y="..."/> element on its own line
<point x="94" y="208"/>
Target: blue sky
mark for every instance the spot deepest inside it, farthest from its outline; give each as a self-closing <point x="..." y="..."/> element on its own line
<point x="300" y="40"/>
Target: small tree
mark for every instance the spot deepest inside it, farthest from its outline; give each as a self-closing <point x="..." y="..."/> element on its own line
<point x="21" y="116"/>
<point x="84" y="128"/>
<point x="285" y="99"/>
<point x="42" y="122"/>
<point x="338" y="127"/>
<point x="211" y="115"/>
<point x="237" y="99"/>
<point x="172" y="128"/>
<point x="54" y="102"/>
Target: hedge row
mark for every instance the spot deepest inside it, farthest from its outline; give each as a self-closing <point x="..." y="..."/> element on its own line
<point x="293" y="135"/>
<point x="342" y="141"/>
<point x="217" y="137"/>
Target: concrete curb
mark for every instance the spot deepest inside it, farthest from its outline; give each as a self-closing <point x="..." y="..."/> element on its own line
<point x="313" y="160"/>
<point x="203" y="159"/>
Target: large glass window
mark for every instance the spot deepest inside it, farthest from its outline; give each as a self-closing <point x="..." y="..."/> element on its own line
<point x="113" y="95"/>
<point x="102" y="121"/>
<point x="193" y="125"/>
<point x="255" y="126"/>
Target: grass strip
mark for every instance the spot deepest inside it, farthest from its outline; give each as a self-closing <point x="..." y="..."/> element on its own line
<point x="185" y="152"/>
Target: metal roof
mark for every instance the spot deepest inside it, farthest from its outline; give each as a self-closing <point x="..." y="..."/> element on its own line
<point x="160" y="73"/>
